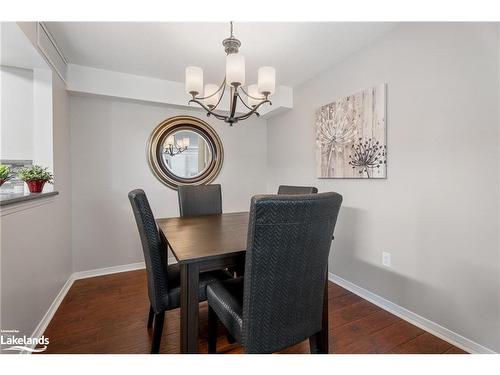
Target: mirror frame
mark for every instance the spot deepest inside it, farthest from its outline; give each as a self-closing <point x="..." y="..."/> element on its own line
<point x="167" y="128"/>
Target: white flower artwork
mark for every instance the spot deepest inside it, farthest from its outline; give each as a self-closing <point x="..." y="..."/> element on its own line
<point x="351" y="136"/>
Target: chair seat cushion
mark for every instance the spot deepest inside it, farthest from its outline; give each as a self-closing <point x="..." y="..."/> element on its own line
<point x="226" y="299"/>
<point x="174" y="284"/>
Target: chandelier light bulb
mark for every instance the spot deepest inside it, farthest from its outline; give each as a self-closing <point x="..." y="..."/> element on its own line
<point x="194" y="80"/>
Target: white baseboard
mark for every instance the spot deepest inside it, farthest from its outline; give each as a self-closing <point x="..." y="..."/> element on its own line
<point x="108" y="270"/>
<point x="42" y="326"/>
<point x="415" y="319"/>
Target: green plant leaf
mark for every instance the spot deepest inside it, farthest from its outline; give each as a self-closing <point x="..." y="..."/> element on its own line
<point x="35" y="173"/>
<point x="5" y="173"/>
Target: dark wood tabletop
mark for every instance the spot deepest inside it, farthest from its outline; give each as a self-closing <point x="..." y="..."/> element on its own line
<point x="194" y="239"/>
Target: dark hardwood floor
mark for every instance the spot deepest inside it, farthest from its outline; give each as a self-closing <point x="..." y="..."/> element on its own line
<point x="108" y="314"/>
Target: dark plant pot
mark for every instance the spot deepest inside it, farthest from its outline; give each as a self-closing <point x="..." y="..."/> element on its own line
<point x="35" y="186"/>
<point x="2" y="181"/>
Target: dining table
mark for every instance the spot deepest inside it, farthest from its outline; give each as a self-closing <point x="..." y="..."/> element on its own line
<point x="208" y="243"/>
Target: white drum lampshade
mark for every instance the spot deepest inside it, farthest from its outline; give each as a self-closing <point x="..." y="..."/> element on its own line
<point x="267" y="80"/>
<point x="194" y="80"/>
<point x="235" y="69"/>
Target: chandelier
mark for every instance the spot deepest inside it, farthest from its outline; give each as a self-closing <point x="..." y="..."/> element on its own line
<point x="173" y="147"/>
<point x="234" y="81"/>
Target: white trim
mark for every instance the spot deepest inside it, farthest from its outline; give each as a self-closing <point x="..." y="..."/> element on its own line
<point x="42" y="326"/>
<point x="411" y="317"/>
<point x="54" y="44"/>
<point x="47" y="46"/>
<point x="108" y="270"/>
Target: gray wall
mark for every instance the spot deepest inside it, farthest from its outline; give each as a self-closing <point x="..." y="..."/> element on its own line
<point x="109" y="139"/>
<point x="36" y="242"/>
<point x="437" y="212"/>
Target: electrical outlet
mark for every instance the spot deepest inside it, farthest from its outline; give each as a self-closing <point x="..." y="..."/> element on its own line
<point x="386" y="259"/>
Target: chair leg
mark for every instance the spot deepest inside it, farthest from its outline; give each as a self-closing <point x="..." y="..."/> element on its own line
<point x="314" y="343"/>
<point x="212" y="331"/>
<point x="157" y="332"/>
<point x="150" y="316"/>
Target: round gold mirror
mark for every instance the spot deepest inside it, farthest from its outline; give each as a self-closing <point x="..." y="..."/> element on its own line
<point x="185" y="150"/>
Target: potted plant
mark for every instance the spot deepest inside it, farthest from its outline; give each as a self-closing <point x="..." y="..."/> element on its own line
<point x="35" y="177"/>
<point x="5" y="173"/>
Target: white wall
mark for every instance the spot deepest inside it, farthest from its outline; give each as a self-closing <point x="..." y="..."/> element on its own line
<point x="42" y="118"/>
<point x="437" y="211"/>
<point x="26" y="120"/>
<point x="36" y="242"/>
<point x="108" y="141"/>
<point x="17" y="113"/>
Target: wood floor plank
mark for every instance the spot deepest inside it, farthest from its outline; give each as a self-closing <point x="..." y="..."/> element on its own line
<point x="351" y="312"/>
<point x="108" y="314"/>
<point x="396" y="334"/>
<point x="424" y="343"/>
<point x="335" y="290"/>
<point x="340" y="302"/>
<point x="455" y="350"/>
<point x="354" y="337"/>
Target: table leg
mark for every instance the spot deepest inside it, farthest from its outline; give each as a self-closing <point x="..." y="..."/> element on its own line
<point x="323" y="347"/>
<point x="189" y="308"/>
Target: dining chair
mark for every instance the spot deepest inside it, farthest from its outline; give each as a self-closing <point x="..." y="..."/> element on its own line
<point x="198" y="200"/>
<point x="279" y="301"/>
<point x="163" y="279"/>
<point x="292" y="190"/>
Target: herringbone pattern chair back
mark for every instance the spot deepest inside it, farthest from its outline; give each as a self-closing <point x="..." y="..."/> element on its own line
<point x="198" y="200"/>
<point x="289" y="241"/>
<point x="154" y="255"/>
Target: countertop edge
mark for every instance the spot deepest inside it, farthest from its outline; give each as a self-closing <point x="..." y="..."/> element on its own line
<point x="27" y="198"/>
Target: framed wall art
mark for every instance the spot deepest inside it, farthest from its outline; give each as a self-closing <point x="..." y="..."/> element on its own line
<point x="351" y="136"/>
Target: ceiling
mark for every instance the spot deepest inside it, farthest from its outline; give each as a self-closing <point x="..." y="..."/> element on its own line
<point x="298" y="50"/>
<point x="17" y="50"/>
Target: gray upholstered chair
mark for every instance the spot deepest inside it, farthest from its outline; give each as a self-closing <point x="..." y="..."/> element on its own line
<point x="279" y="301"/>
<point x="292" y="190"/>
<point x="198" y="200"/>
<point x="163" y="279"/>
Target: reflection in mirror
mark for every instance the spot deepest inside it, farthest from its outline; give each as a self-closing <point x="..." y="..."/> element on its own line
<point x="186" y="153"/>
